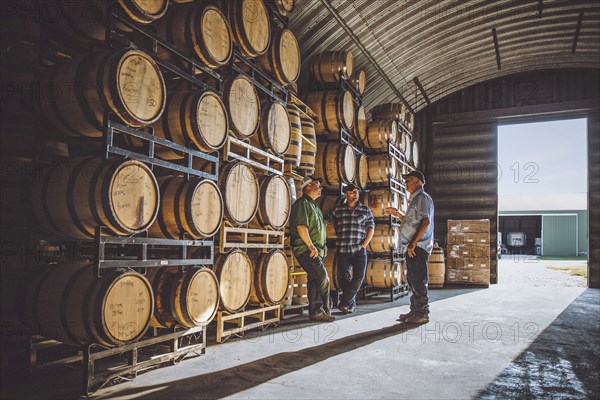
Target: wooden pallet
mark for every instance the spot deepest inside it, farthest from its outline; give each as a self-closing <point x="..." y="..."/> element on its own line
<point x="236" y="149"/>
<point x="288" y="311"/>
<point x="247" y="238"/>
<point x="229" y="325"/>
<point x="304" y="109"/>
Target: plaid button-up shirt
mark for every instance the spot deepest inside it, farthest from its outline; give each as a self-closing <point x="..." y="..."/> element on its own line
<point x="351" y="226"/>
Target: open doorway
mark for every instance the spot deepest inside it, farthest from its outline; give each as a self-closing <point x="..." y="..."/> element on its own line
<point x="542" y="197"/>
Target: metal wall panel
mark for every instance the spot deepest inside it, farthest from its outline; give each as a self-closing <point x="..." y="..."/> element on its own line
<point x="559" y="235"/>
<point x="594" y="199"/>
<point x="462" y="178"/>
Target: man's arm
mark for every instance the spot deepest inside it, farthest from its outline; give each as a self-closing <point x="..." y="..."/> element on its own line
<point x="370" y="232"/>
<point x="395" y="212"/>
<point x="305" y="236"/>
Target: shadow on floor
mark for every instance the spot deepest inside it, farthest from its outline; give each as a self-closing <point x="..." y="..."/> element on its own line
<point x="563" y="362"/>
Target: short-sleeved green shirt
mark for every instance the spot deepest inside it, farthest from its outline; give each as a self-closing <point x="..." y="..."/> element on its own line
<point x="306" y="212"/>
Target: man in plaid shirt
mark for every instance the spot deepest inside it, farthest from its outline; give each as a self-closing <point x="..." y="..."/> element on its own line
<point x="354" y="227"/>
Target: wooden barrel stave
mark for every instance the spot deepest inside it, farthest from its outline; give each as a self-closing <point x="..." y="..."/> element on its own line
<point x="275" y="130"/>
<point x="240" y="190"/>
<point x="383" y="273"/>
<point x="198" y="29"/>
<point x="249" y="21"/>
<point x="113" y="310"/>
<point x="330" y="66"/>
<point x="282" y="61"/>
<point x="361" y="124"/>
<point x="335" y="163"/>
<point x="294" y="152"/>
<point x="138" y="98"/>
<point x="362" y="171"/>
<point x="309" y="146"/>
<point x="193" y="208"/>
<point x="271" y="274"/>
<point x="381" y="168"/>
<point x="437" y="268"/>
<point x="235" y="274"/>
<point x="274" y="203"/>
<point x="196" y="119"/>
<point x="335" y="110"/>
<point x="243" y="106"/>
<point x="379" y="133"/>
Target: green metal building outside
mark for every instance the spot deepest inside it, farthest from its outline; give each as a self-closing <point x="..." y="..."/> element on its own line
<point x="559" y="233"/>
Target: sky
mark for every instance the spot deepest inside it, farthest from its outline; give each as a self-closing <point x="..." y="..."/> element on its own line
<point x="543" y="164"/>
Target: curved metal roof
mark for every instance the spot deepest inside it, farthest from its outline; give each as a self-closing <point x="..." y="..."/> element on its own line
<point x="448" y="45"/>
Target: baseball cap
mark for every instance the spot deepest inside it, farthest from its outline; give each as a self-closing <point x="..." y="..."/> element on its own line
<point x="417" y="174"/>
<point x="309" y="179"/>
<point x="349" y="188"/>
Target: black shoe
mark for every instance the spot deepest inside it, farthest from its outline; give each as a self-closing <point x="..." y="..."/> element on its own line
<point x="322" y="317"/>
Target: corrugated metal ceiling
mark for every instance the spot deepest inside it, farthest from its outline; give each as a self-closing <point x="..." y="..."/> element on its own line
<point x="448" y="45"/>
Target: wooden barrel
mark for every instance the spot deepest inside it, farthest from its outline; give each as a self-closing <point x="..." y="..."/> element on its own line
<point x="330" y="66"/>
<point x="282" y="61"/>
<point x="379" y="133"/>
<point x="362" y="171"/>
<point x="335" y="163"/>
<point x="289" y="293"/>
<point x="193" y="207"/>
<point x="360" y="125"/>
<point x="189" y="298"/>
<point x="234" y="271"/>
<point x="195" y="119"/>
<point x="327" y="202"/>
<point x="274" y="203"/>
<point x="331" y="266"/>
<point x="274" y="134"/>
<point x="300" y="293"/>
<point x="380" y="199"/>
<point x="415" y="155"/>
<point x="360" y="81"/>
<point x="383" y="273"/>
<point x="240" y="191"/>
<point x="408" y="149"/>
<point x="72" y="305"/>
<point x="388" y="111"/>
<point x="385" y="238"/>
<point x="79" y="91"/>
<point x="271" y="274"/>
<point x="74" y="197"/>
<point x="409" y="120"/>
<point x="309" y="146"/>
<point x="242" y="104"/>
<point x="198" y="29"/>
<point x="294" y="193"/>
<point x="294" y="152"/>
<point x="284" y="7"/>
<point x="401" y="139"/>
<point x="381" y="168"/>
<point x="334" y="108"/>
<point x="250" y="26"/>
<point x="437" y="268"/>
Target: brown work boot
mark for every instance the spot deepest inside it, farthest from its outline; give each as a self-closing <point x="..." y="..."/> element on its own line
<point x="403" y="317"/>
<point x="417" y="319"/>
<point x="322" y="317"/>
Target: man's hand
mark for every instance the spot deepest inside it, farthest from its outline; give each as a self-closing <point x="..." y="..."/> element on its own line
<point x="313" y="252"/>
<point x="411" y="249"/>
<point x="395" y="212"/>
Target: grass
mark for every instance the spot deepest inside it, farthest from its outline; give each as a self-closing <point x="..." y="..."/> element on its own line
<point x="578" y="258"/>
<point x="573" y="271"/>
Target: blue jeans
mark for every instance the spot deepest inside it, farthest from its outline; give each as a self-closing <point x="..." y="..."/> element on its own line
<point x="417" y="276"/>
<point x="351" y="283"/>
<point x="318" y="283"/>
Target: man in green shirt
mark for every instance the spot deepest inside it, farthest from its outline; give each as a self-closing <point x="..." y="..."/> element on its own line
<point x="308" y="243"/>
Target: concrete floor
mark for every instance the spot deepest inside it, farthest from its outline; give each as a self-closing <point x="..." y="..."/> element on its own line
<point x="509" y="341"/>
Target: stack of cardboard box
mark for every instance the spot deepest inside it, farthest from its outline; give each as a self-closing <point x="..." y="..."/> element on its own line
<point x="468" y="252"/>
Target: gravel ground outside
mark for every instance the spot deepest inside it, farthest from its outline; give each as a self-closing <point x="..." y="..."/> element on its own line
<point x="530" y="271"/>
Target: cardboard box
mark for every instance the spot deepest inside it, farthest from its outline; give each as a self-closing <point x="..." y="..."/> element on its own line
<point x="468" y="263"/>
<point x="468" y="251"/>
<point x="479" y="277"/>
<point x="469" y="225"/>
<point x="468" y="238"/>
